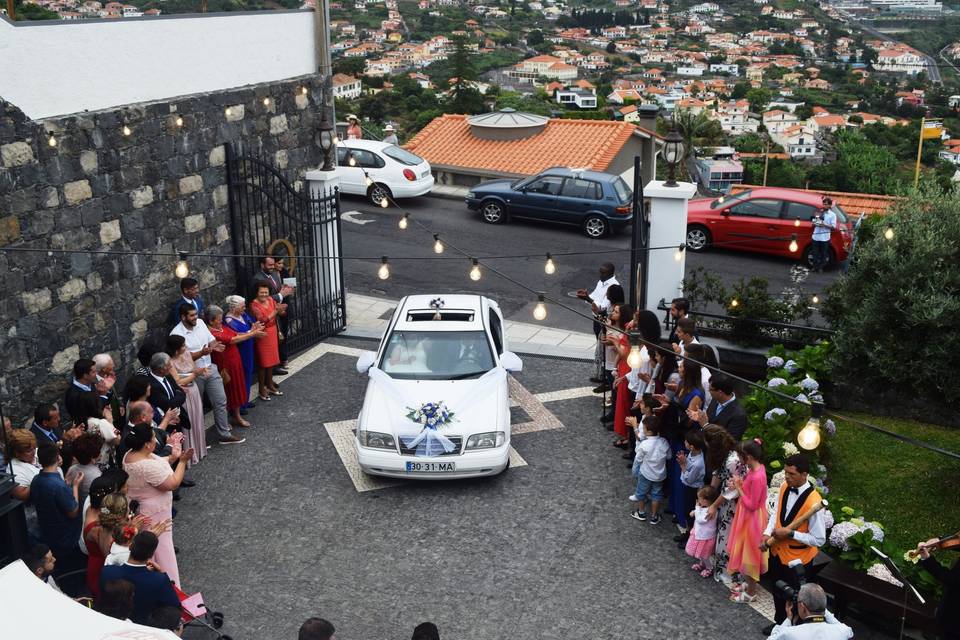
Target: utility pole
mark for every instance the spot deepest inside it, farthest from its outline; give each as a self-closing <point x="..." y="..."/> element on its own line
<point x="766" y="162"/>
<point x="11" y="12"/>
<point x="324" y="65"/>
<point x="639" y="239"/>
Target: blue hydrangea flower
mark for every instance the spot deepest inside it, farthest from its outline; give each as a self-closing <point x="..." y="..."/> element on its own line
<point x="771" y="415"/>
<point x="802" y="398"/>
<point x="774" y="362"/>
<point x="809" y="384"/>
<point x="791" y="366"/>
<point x="773" y="383"/>
<point x="830" y="427"/>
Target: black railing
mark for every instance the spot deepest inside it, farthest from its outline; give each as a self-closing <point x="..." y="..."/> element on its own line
<point x="751" y="331"/>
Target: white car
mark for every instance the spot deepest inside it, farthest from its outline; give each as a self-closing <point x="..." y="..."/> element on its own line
<point x="372" y="168"/>
<point x="437" y="403"/>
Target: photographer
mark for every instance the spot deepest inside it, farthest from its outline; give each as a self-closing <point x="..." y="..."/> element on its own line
<point x="809" y="619"/>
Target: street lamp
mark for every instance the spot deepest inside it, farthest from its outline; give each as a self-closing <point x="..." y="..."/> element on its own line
<point x="672" y="154"/>
<point x="325" y="136"/>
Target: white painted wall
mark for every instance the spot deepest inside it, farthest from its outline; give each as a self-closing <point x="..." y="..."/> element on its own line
<point x="53" y="68"/>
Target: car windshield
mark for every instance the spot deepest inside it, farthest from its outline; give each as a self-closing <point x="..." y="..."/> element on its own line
<point x="623" y="191"/>
<point x="402" y="155"/>
<point x="437" y="355"/>
<point x="723" y="201"/>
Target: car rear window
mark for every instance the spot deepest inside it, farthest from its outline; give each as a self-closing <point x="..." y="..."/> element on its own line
<point x="623" y="191"/>
<point x="402" y="155"/>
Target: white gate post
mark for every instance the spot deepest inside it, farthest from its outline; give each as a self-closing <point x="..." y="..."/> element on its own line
<point x="321" y="184"/>
<point x="668" y="227"/>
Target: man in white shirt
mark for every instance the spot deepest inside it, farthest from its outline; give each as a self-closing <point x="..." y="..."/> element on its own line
<point x="600" y="306"/>
<point x="201" y="343"/>
<point x="812" y="620"/>
<point x="823" y="226"/>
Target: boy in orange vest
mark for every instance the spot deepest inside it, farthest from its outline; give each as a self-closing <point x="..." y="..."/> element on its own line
<point x="797" y="497"/>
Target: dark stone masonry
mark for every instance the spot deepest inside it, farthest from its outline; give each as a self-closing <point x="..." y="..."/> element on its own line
<point x="143" y="179"/>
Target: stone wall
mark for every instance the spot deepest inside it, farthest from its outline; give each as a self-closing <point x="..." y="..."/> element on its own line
<point x="136" y="180"/>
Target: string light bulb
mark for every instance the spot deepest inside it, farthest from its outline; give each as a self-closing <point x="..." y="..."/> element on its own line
<point x="384" y="202"/>
<point x="437" y="245"/>
<point x="475" y="273"/>
<point x="550" y="267"/>
<point x="126" y="130"/>
<point x="635" y="359"/>
<point x="678" y="254"/>
<point x="352" y="161"/>
<point x="540" y="311"/>
<point x="809" y="436"/>
<point x="815" y="299"/>
<point x="182" y="269"/>
<point x="793" y="244"/>
<point x="228" y="111"/>
<point x="52" y="140"/>
<point x="179" y="121"/>
<point x="368" y="180"/>
<point x="734" y="303"/>
<point x="303" y="90"/>
<point x="403" y="221"/>
<point x="796" y="222"/>
<point x="384" y="271"/>
<point x="888" y="232"/>
<point x="266" y="102"/>
<point x="336" y="139"/>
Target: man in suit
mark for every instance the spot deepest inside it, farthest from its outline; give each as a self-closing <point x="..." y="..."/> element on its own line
<point x="725" y="409"/>
<point x="46" y="428"/>
<point x="151" y="586"/>
<point x="278" y="291"/>
<point x="83" y="383"/>
<point x="106" y="385"/>
<point x="165" y="393"/>
<point x="189" y="294"/>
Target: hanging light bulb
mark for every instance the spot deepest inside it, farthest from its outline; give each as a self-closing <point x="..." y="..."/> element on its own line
<point x="678" y="254"/>
<point x="384" y="202"/>
<point x="796" y="222"/>
<point x="403" y="221"/>
<point x="52" y="140"/>
<point x="352" y="161"/>
<point x="437" y="245"/>
<point x="336" y="139"/>
<point x="228" y="112"/>
<point x="384" y="271"/>
<point x="179" y="121"/>
<point x="635" y="359"/>
<point x="550" y="267"/>
<point x="266" y="102"/>
<point x="126" y="130"/>
<point x="888" y="232"/>
<point x="182" y="269"/>
<point x="734" y="303"/>
<point x="540" y="311"/>
<point x="809" y="436"/>
<point x="793" y="244"/>
<point x="815" y="299"/>
<point x="303" y="90"/>
<point x="368" y="180"/>
<point x="475" y="274"/>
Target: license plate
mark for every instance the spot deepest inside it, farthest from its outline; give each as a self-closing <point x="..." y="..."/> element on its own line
<point x="430" y="467"/>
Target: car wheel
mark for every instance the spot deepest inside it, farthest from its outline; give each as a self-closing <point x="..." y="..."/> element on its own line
<point x="807" y="258"/>
<point x="698" y="237"/>
<point x="377" y="192"/>
<point x="492" y="212"/>
<point x="595" y="227"/>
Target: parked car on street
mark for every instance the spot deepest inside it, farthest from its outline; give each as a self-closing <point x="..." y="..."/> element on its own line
<point x="437" y="403"/>
<point x="393" y="171"/>
<point x="599" y="203"/>
<point x="763" y="220"/>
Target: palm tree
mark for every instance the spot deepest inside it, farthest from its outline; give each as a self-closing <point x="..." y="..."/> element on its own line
<point x="692" y="127"/>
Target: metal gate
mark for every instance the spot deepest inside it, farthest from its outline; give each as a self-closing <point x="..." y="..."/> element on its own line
<point x="269" y="216"/>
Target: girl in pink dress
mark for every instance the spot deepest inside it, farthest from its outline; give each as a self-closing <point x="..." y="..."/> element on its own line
<point x="152" y="482"/>
<point x="749" y="521"/>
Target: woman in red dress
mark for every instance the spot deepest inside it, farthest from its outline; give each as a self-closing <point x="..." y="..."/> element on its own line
<point x="620" y="315"/>
<point x="265" y="310"/>
<point x="229" y="362"/>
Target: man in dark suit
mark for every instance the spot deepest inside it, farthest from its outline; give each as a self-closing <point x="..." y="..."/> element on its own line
<point x="725" y="409"/>
<point x="83" y="384"/>
<point x="189" y="294"/>
<point x="151" y="586"/>
<point x="278" y="291"/>
<point x="165" y="393"/>
<point x="46" y="428"/>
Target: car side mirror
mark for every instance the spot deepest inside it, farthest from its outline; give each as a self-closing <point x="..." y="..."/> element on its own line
<point x="511" y="362"/>
<point x="725" y="212"/>
<point x="365" y="361"/>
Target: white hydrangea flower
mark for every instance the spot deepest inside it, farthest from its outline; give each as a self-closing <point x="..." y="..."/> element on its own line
<point x="778" y="479"/>
<point x="776" y="382"/>
<point x="840" y="532"/>
<point x="881" y="572"/>
<point x="830" y="427"/>
<point x="876" y="529"/>
<point x="774" y="362"/>
<point x="802" y="398"/>
<point x="828" y="521"/>
<point x="772" y="495"/>
<point x="791" y="366"/>
<point x="809" y="384"/>
<point x="790" y="449"/>
<point x="771" y="415"/>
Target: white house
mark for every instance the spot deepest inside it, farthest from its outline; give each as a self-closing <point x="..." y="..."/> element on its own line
<point x="582" y="98"/>
<point x="346" y="87"/>
<point x="693" y="72"/>
<point x="732" y="69"/>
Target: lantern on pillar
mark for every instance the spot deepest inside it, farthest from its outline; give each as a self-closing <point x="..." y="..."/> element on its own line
<point x="672" y="155"/>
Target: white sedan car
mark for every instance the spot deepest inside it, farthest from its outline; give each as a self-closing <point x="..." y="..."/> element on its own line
<point x="437" y="404"/>
<point x="374" y="169"/>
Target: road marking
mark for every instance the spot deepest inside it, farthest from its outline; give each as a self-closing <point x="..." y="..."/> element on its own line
<point x="565" y="394"/>
<point x="350" y="216"/>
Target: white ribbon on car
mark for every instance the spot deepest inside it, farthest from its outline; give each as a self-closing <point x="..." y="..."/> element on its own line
<point x="427" y="440"/>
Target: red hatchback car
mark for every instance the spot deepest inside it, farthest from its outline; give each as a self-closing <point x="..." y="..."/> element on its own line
<point x="762" y="220"/>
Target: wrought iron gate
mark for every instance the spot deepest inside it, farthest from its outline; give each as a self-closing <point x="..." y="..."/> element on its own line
<point x="269" y="216"/>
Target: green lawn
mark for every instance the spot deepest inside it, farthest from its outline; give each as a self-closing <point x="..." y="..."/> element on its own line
<point x="912" y="492"/>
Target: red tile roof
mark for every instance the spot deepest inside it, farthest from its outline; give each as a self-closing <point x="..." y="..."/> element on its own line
<point x="852" y="203"/>
<point x="591" y="144"/>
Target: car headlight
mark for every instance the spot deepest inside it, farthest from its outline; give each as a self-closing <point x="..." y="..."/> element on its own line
<point x="488" y="440"/>
<point x="471" y="195"/>
<point x="376" y="440"/>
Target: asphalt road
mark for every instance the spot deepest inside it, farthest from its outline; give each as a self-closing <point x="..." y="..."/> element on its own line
<point x="380" y="236"/>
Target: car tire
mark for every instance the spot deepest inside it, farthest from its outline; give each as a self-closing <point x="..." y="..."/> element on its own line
<point x="698" y="237"/>
<point x="493" y="212"/>
<point x="595" y="227"/>
<point x="807" y="258"/>
<point x="377" y="191"/>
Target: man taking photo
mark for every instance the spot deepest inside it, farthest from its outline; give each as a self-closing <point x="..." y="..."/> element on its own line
<point x="811" y="620"/>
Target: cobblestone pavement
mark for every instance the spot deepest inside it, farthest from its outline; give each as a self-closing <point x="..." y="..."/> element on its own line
<point x="278" y="529"/>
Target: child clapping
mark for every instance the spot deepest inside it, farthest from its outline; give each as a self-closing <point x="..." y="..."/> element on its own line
<point x="702" y="539"/>
<point x="651" y="470"/>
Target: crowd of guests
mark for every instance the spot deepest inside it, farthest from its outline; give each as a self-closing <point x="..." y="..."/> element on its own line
<point x="680" y="425"/>
<point x="99" y="472"/>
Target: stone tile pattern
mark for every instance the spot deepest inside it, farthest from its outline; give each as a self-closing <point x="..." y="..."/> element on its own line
<point x="159" y="189"/>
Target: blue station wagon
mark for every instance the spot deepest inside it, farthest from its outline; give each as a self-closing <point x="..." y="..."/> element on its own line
<point x="599" y="203"/>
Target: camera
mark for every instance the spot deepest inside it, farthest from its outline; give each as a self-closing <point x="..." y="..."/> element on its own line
<point x="786" y="590"/>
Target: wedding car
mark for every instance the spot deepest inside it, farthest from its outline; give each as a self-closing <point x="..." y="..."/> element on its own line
<point x="436" y="404"/>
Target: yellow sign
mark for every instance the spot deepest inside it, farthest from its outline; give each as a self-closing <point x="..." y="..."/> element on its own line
<point x="932" y="130"/>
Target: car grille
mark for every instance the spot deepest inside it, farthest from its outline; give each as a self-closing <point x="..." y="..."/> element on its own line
<point x="457" y="440"/>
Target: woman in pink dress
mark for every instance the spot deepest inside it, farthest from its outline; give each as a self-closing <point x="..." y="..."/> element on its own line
<point x="186" y="372"/>
<point x="265" y="310"/>
<point x="152" y="483"/>
<point x="749" y="521"/>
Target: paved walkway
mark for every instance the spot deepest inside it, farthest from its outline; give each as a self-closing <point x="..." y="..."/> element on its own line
<point x="367" y="317"/>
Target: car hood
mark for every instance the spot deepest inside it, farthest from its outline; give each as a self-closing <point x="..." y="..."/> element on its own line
<point x="493" y="185"/>
<point x="701" y="205"/>
<point x="477" y="405"/>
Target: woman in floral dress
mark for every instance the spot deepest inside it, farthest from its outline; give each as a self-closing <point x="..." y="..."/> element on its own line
<point x="723" y="462"/>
